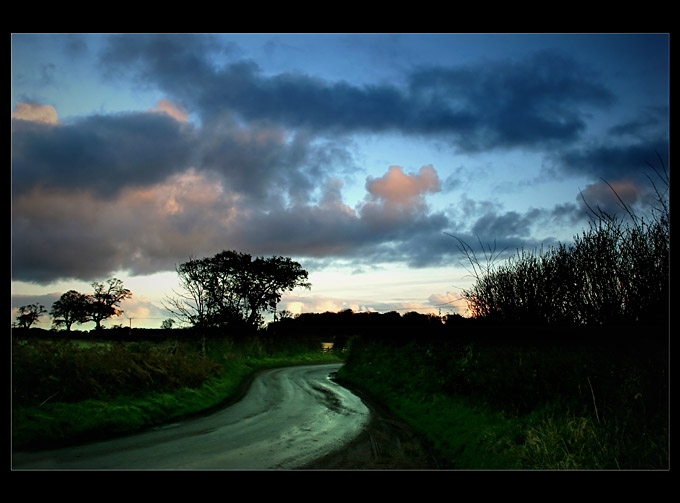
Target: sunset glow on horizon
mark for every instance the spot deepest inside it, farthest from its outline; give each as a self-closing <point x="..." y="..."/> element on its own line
<point x="357" y="155"/>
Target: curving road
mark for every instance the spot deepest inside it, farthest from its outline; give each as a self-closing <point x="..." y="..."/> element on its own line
<point x="289" y="417"/>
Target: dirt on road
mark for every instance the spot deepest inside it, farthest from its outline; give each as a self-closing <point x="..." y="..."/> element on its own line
<point x="386" y="444"/>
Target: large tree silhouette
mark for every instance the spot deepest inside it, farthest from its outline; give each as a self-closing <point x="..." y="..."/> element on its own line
<point x="232" y="287"/>
<point x="72" y="307"/>
<point x="30" y="314"/>
<point x="104" y="302"/>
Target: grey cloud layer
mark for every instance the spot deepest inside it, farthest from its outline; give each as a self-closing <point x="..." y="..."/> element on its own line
<point x="544" y="98"/>
<point x="103" y="153"/>
<point x="544" y="101"/>
<point x="144" y="191"/>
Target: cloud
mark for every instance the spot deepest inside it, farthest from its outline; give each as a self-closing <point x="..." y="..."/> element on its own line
<point x="396" y="188"/>
<point x="176" y="112"/>
<point x="509" y="224"/>
<point x="66" y="234"/>
<point x="261" y="168"/>
<point x="538" y="101"/>
<point x="35" y="112"/>
<point x="313" y="303"/>
<point x="108" y="153"/>
<point x="321" y="303"/>
<point x="615" y="160"/>
<point x="451" y="301"/>
<point x="101" y="153"/>
<point x="395" y="204"/>
<point x="394" y="212"/>
<point x="610" y="198"/>
<point x="542" y="99"/>
<point x="650" y="119"/>
<point x="625" y="152"/>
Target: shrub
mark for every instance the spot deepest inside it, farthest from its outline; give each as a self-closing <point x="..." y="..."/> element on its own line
<point x="615" y="272"/>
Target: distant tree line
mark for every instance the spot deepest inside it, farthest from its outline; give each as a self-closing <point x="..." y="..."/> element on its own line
<point x="341" y="326"/>
<point x="230" y="289"/>
<point x="76" y="308"/>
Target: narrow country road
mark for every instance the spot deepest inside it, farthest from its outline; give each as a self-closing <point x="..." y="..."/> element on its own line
<point x="289" y="418"/>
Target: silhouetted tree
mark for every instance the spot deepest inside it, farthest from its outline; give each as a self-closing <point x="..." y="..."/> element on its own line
<point x="72" y="307"/>
<point x="232" y="287"/>
<point x="266" y="280"/>
<point x="103" y="304"/>
<point x="30" y="314"/>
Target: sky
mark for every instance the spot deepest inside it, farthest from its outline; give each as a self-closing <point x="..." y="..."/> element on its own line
<point x="360" y="156"/>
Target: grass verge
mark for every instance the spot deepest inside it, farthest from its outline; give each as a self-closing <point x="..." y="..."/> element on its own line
<point x="476" y="427"/>
<point x="55" y="424"/>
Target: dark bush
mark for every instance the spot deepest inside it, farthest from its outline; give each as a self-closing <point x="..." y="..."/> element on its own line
<point x="615" y="272"/>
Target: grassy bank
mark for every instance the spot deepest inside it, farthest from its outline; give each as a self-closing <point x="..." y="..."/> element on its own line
<point x="493" y="404"/>
<point x="66" y="393"/>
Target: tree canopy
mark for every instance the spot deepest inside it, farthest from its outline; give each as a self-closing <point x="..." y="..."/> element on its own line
<point x="75" y="307"/>
<point x="69" y="309"/>
<point x="29" y="314"/>
<point x="233" y="288"/>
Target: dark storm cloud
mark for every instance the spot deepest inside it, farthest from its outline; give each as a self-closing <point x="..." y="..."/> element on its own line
<point x="651" y="119"/>
<point x="509" y="224"/>
<point x="626" y="152"/>
<point x="54" y="239"/>
<point x="104" y="153"/>
<point x="541" y="99"/>
<point x="264" y="160"/>
<point x="379" y="228"/>
<point x="61" y="234"/>
<point x="180" y="64"/>
<point x="612" y="160"/>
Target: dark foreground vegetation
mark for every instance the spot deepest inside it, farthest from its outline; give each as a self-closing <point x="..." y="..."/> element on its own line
<point x="490" y="396"/>
<point x="81" y="386"/>
<point x="483" y="395"/>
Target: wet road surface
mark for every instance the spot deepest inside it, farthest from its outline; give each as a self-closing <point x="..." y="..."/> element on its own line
<point x="289" y="417"/>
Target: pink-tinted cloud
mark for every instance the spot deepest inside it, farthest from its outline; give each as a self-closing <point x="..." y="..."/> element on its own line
<point x="175" y="111"/>
<point x="59" y="233"/>
<point x="35" y="112"/>
<point x="452" y="301"/>
<point x="77" y="234"/>
<point x="609" y="197"/>
<point x="397" y="188"/>
<point x="396" y="204"/>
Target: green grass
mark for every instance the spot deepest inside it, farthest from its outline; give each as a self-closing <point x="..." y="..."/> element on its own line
<point x="470" y="420"/>
<point x="463" y="435"/>
<point x="51" y="423"/>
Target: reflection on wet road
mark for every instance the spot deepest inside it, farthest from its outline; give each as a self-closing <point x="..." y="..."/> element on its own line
<point x="289" y="417"/>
